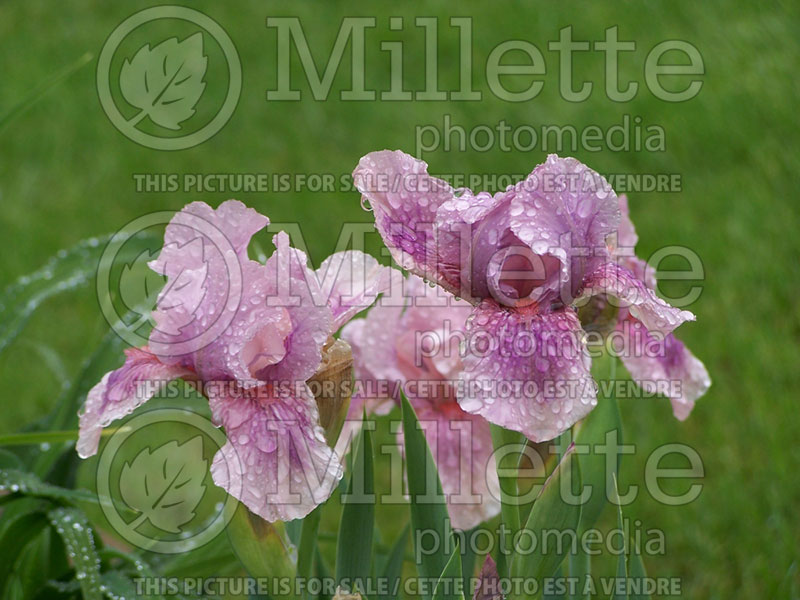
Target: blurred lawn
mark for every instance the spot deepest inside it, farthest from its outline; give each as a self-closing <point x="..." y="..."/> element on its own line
<point x="67" y="174"/>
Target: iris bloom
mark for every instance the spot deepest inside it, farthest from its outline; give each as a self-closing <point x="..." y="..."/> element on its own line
<point x="413" y="345"/>
<point x="523" y="257"/>
<point x="650" y="360"/>
<point x="249" y="336"/>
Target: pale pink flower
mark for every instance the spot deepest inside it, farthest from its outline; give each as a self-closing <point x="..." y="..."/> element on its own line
<point x="249" y="336"/>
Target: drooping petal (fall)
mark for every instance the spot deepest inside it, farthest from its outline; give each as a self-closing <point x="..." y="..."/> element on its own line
<point x="276" y="460"/>
<point x="633" y="294"/>
<point x="120" y="392"/>
<point x="526" y="371"/>
<point x="663" y="365"/>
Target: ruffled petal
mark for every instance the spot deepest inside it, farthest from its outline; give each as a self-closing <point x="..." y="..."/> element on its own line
<point x="565" y="210"/>
<point x="120" y="392"/>
<point x="276" y="461"/>
<point x="212" y="315"/>
<point x="351" y="282"/>
<point x="528" y="244"/>
<point x="293" y="287"/>
<point x="404" y="200"/>
<point x="461" y="445"/>
<point x="634" y="295"/>
<point x="662" y="365"/>
<point x="526" y="371"/>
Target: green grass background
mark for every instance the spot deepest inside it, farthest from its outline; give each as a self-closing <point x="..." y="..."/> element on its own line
<point x="66" y="174"/>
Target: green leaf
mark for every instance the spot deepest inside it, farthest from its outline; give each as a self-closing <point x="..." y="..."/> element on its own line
<point x="450" y="581"/>
<point x="15" y="481"/>
<point x="580" y="567"/>
<point x="622" y="560"/>
<point x="322" y="573"/>
<point x="165" y="485"/>
<point x="394" y="566"/>
<point x="354" y="547"/>
<point x="429" y="518"/>
<point x="468" y="559"/>
<point x="73" y="527"/>
<point x="23" y="519"/>
<point x="33" y="564"/>
<point x="9" y="460"/>
<point x="551" y="511"/>
<point x="263" y="548"/>
<point x="508" y="447"/>
<point x="637" y="574"/>
<point x="215" y="558"/>
<point x="629" y="564"/>
<point x="67" y="270"/>
<point x="556" y="595"/>
<point x="165" y="82"/>
<point x="308" y="543"/>
<point x="602" y="428"/>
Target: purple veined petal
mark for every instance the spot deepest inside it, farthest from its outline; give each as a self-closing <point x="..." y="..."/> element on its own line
<point x="564" y="210"/>
<point x="461" y="445"/>
<point x="405" y="201"/>
<point x="526" y="371"/>
<point x="351" y="282"/>
<point x="631" y="293"/>
<point x="120" y="392"/>
<point x="293" y="287"/>
<point x="258" y="336"/>
<point x="662" y="365"/>
<point x="276" y="461"/>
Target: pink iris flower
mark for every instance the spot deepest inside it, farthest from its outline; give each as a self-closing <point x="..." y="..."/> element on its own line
<point x="248" y="335"/>
<point x="413" y="345"/>
<point x="657" y="364"/>
<point x="524" y="258"/>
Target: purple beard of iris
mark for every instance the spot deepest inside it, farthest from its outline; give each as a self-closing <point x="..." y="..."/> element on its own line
<point x="276" y="319"/>
<point x="524" y="258"/>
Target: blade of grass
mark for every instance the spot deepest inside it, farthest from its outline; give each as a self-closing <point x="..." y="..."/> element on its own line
<point x="429" y="515"/>
<point x="354" y="548"/>
<point x="42" y="89"/>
